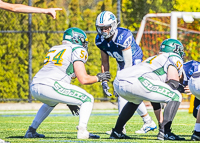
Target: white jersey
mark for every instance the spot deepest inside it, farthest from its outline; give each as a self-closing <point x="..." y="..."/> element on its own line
<point x="154" y="67"/>
<point x="58" y="64"/>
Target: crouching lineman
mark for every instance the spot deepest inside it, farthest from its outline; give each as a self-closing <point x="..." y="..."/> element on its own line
<point x="192" y="86"/>
<point x="156" y="79"/>
<point x="51" y="85"/>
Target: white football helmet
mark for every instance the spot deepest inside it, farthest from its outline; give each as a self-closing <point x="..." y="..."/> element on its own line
<point x="105" y="19"/>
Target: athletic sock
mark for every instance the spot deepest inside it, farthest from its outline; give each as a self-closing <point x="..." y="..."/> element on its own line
<point x="169" y="114"/>
<point x="126" y="113"/>
<point x="146" y="118"/>
<point x="142" y="110"/>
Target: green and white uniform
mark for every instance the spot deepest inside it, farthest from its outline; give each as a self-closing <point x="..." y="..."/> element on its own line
<point x="51" y="85"/>
<point x="146" y="81"/>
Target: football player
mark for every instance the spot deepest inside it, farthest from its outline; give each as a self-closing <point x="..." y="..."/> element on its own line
<point x="120" y="44"/>
<point x="20" y="8"/>
<point x="28" y="9"/>
<point x="51" y="85"/>
<point x="156" y="79"/>
<point x="191" y="82"/>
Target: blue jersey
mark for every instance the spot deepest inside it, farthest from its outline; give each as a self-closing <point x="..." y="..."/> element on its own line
<point x="189" y="68"/>
<point x="122" y="39"/>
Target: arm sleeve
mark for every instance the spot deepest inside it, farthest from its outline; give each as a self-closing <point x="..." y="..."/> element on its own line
<point x="127" y="54"/>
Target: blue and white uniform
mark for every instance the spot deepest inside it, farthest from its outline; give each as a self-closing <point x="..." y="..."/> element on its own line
<point x="190" y="68"/>
<point x="123" y="48"/>
<point x="122" y="39"/>
<point x="193" y="82"/>
<point x="192" y="71"/>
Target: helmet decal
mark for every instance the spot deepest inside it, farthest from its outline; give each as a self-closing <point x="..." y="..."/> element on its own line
<point x="68" y="37"/>
<point x="176" y="50"/>
<point x="112" y="17"/>
<point x="101" y="17"/>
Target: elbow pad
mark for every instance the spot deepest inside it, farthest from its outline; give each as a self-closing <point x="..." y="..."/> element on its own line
<point x="174" y="84"/>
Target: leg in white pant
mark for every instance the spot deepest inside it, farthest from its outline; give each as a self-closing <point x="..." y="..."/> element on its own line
<point x="42" y="113"/>
<point x="84" y="114"/>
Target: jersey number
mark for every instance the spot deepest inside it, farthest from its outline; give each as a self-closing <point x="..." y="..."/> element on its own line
<point x="83" y="55"/>
<point x="57" y="59"/>
<point x="116" y="56"/>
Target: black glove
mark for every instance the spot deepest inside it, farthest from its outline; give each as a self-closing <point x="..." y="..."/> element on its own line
<point x="74" y="109"/>
<point x="181" y="88"/>
<point x="103" y="76"/>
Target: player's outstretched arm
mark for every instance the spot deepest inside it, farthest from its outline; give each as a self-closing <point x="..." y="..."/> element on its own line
<point x="84" y="78"/>
<point x="28" y="9"/>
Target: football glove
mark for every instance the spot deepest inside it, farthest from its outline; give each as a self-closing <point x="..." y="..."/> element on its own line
<point x="181" y="88"/>
<point x="74" y="109"/>
<point x="103" y="76"/>
<point x="105" y="88"/>
<point x="115" y="93"/>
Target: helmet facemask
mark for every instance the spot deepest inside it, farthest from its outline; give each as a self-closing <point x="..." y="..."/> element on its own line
<point x="113" y="27"/>
<point x="84" y="42"/>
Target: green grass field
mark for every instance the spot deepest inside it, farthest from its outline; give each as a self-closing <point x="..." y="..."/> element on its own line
<point x="60" y="126"/>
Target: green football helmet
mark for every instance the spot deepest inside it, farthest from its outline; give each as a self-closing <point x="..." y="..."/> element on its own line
<point x="76" y="36"/>
<point x="172" y="45"/>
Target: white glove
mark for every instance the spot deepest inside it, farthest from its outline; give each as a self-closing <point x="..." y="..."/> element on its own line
<point x="105" y="88"/>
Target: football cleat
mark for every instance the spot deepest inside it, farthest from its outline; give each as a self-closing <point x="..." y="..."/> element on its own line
<point x="93" y="136"/>
<point x="172" y="136"/>
<point x="148" y="126"/>
<point x="168" y="136"/>
<point x="84" y="134"/>
<point x="109" y="132"/>
<point x="31" y="133"/>
<point x="116" y="135"/>
<point x="195" y="137"/>
<point x="160" y="135"/>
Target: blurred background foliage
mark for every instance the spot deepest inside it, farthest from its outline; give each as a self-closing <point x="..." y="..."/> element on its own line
<point x="81" y="14"/>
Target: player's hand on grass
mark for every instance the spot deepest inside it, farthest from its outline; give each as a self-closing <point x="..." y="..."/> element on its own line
<point x="106" y="88"/>
<point x="74" y="109"/>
